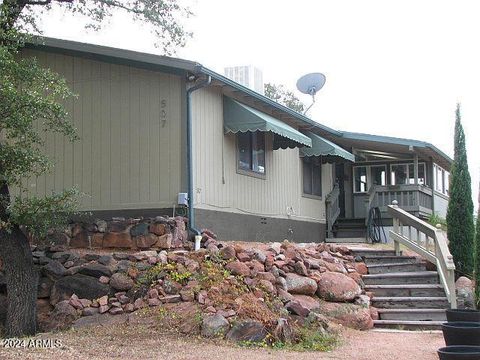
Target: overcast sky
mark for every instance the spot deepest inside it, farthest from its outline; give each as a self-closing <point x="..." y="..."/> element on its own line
<point x="394" y="68"/>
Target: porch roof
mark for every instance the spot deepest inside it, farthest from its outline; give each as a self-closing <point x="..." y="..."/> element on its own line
<point x="323" y="147"/>
<point x="394" y="145"/>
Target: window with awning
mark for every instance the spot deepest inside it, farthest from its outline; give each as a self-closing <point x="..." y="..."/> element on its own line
<point x="326" y="149"/>
<point x="240" y="118"/>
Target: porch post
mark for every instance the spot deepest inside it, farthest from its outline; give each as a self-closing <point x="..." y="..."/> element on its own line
<point x="415" y="168"/>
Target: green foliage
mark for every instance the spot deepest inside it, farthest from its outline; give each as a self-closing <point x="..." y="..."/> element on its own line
<point x="283" y="96"/>
<point x="164" y="271"/>
<point x="31" y="99"/>
<point x="212" y="273"/>
<point x="162" y="17"/>
<point x="41" y="215"/>
<point x="314" y="339"/>
<point x="307" y="338"/>
<point x="434" y="220"/>
<point x="461" y="229"/>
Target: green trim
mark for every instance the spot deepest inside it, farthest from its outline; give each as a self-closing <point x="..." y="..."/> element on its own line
<point x="395" y="140"/>
<point x="323" y="147"/>
<point x="238" y="117"/>
<point x="115" y="56"/>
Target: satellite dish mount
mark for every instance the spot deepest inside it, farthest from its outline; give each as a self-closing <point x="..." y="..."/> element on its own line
<point x="310" y="84"/>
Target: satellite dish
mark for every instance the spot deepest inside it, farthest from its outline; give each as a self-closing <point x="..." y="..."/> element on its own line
<point x="310" y="84"/>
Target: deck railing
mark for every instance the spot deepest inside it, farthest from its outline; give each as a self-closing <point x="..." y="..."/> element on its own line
<point x="409" y="197"/>
<point x="332" y="205"/>
<point x="429" y="242"/>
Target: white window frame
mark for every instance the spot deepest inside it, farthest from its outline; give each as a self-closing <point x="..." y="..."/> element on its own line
<point x="444" y="182"/>
<point x="368" y="174"/>
<point x="410" y="181"/>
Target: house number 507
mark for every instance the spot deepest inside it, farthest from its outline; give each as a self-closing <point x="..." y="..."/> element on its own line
<point x="163" y="112"/>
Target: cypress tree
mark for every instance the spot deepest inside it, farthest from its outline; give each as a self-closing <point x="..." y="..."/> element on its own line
<point x="477" y="258"/>
<point x="461" y="228"/>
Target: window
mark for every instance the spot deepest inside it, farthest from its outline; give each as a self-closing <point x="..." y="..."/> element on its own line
<point x="403" y="174"/>
<point x="398" y="174"/>
<point x="379" y="175"/>
<point x="251" y="152"/>
<point x="360" y="176"/>
<point x="442" y="180"/>
<point x="312" y="176"/>
<point x="366" y="176"/>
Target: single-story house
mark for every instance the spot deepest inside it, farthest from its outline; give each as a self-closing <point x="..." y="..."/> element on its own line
<point x="163" y="135"/>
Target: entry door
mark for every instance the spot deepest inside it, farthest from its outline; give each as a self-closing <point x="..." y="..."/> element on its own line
<point x="340" y="178"/>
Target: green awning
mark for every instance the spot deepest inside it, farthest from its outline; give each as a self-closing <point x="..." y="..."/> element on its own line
<point x="323" y="147"/>
<point x="242" y="118"/>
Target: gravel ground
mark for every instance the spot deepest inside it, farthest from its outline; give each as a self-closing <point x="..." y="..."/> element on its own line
<point x="141" y="342"/>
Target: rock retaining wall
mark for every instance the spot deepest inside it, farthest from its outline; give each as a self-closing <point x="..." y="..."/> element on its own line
<point x="126" y="233"/>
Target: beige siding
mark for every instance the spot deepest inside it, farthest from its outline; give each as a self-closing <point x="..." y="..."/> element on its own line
<point x="218" y="186"/>
<point x="128" y="157"/>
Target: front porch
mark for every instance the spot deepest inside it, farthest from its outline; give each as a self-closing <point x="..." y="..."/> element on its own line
<point x="383" y="172"/>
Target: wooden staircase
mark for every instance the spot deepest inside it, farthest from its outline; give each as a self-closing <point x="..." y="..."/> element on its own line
<point x="406" y="294"/>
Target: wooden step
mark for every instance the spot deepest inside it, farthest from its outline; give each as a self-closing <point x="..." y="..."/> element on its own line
<point x="366" y="253"/>
<point x="412" y="314"/>
<point x="373" y="260"/>
<point x="420" y="277"/>
<point x="404" y="290"/>
<point x="410" y="302"/>
<point x="396" y="267"/>
<point x="408" y="324"/>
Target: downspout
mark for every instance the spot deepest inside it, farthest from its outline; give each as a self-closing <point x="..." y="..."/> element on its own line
<point x="191" y="210"/>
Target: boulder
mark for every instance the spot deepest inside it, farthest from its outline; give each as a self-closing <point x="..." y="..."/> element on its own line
<point x="158" y="228"/>
<point x="106" y="320"/>
<point x="85" y="287"/>
<point x="80" y="240"/>
<point x="97" y="240"/>
<point x="121" y="282"/>
<point x="62" y="316"/>
<point x="300" y="268"/>
<point x="307" y="302"/>
<point x="302" y="285"/>
<point x="139" y="229"/>
<point x="248" y="330"/>
<point x="106" y="260"/>
<point x="95" y="270"/>
<point x="164" y="241"/>
<point x="302" y="305"/>
<point x="361" y="268"/>
<point x="117" y="240"/>
<point x="44" y="287"/>
<point x="227" y="252"/>
<point x="465" y="292"/>
<point x="333" y="286"/>
<point x="353" y="316"/>
<point x="146" y="241"/>
<point x="214" y="326"/>
<point x="238" y="268"/>
<point x="54" y="270"/>
<point x="89" y="311"/>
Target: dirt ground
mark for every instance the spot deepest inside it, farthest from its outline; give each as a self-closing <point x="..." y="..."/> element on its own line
<point x="141" y="342"/>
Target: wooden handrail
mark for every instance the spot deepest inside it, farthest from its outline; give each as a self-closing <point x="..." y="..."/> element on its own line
<point x="439" y="254"/>
<point x="332" y="208"/>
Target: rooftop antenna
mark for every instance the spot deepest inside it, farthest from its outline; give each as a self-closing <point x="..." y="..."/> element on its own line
<point x="310" y="84"/>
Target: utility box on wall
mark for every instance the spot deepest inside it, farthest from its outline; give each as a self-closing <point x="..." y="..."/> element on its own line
<point x="183" y="199"/>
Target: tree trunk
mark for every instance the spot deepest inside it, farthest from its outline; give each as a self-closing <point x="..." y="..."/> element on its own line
<point x="22" y="280"/>
<point x="20" y="275"/>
